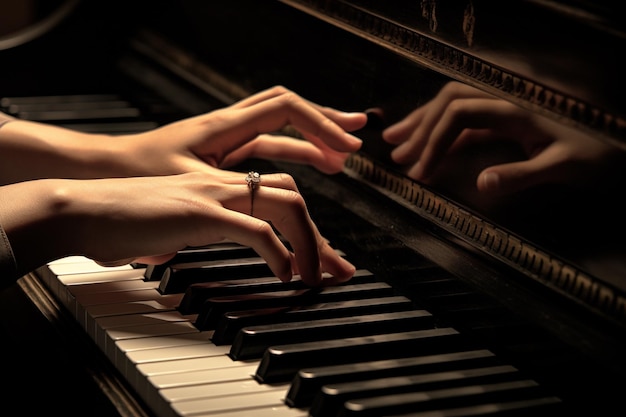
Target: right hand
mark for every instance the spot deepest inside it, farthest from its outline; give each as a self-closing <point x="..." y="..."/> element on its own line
<point x="148" y="219"/>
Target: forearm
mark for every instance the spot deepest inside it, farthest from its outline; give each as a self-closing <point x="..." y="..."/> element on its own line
<point x="32" y="215"/>
<point x="30" y="150"/>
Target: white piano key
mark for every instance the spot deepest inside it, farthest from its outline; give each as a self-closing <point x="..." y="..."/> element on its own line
<point x="47" y="273"/>
<point x="132" y="345"/>
<point x="78" y="269"/>
<point x="127" y="280"/>
<point x="196" y="350"/>
<point x="82" y="267"/>
<point x="217" y="406"/>
<point x="224" y="368"/>
<point x="111" y="322"/>
<point x="216" y="389"/>
<point x="114" y="297"/>
<point x="144" y="331"/>
<point x="192" y="364"/>
<point x="277" y="411"/>
<point x="152" y="305"/>
<point x="164" y="303"/>
<point x="236" y="372"/>
<point x="189" y="385"/>
<point x="120" y="317"/>
<point x="133" y="281"/>
<point x="87" y="305"/>
<point x="90" y="277"/>
<point x="128" y="364"/>
<point x="127" y="360"/>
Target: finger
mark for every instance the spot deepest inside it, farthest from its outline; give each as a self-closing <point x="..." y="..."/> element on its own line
<point x="312" y="254"/>
<point x="286" y="210"/>
<point x="415" y="132"/>
<point x="419" y="128"/>
<point x="289" y="109"/>
<point x="459" y="115"/>
<point x="338" y="267"/>
<point x="281" y="148"/>
<point x="278" y="201"/>
<point x="260" y="97"/>
<point x="401" y="131"/>
<point x="547" y="167"/>
<point x="117" y="262"/>
<point x="349" y="121"/>
<point x="149" y="260"/>
<point x="155" y="260"/>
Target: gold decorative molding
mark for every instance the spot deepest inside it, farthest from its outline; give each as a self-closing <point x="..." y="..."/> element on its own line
<point x="507" y="247"/>
<point x="446" y="59"/>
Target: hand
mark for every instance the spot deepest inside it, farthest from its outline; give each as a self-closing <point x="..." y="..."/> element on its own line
<point x="127" y="217"/>
<point x="461" y="114"/>
<point x="220" y="138"/>
<point x="115" y="221"/>
<point x="224" y="137"/>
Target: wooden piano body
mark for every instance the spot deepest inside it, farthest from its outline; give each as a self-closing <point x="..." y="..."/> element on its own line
<point x="538" y="280"/>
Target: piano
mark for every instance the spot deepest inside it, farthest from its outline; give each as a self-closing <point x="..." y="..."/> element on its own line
<point x="460" y="306"/>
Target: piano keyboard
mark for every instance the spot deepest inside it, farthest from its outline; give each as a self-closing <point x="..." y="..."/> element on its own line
<point x="357" y="349"/>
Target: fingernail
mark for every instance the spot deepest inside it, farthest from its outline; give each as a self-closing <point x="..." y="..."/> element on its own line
<point x="491" y="180"/>
<point x="354" y="138"/>
<point x="417" y="171"/>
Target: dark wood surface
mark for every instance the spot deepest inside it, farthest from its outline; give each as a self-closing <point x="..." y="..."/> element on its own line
<point x="49" y="367"/>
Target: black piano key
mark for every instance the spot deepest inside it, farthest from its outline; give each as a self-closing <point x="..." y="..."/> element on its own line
<point x="178" y="277"/>
<point x="251" y="342"/>
<point x="309" y="381"/>
<point x="67" y="98"/>
<point x="280" y="363"/>
<point x="214" y="308"/>
<point x="199" y="254"/>
<point x="533" y="406"/>
<point x="448" y="397"/>
<point x="52" y="116"/>
<point x="231" y="322"/>
<point x="16" y="109"/>
<point x="196" y="294"/>
<point x="331" y="398"/>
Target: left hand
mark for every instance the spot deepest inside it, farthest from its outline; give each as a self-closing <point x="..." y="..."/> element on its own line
<point x="224" y="137"/>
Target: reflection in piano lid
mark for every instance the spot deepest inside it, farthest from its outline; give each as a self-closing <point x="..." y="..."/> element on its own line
<point x="462" y="306"/>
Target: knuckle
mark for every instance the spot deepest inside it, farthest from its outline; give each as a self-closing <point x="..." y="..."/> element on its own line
<point x="265" y="231"/>
<point x="279" y="90"/>
<point x="452" y="89"/>
<point x="289" y="99"/>
<point x="287" y="181"/>
<point x="298" y="206"/>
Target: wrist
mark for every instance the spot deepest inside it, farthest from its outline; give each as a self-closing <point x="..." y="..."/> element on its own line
<point x="40" y="232"/>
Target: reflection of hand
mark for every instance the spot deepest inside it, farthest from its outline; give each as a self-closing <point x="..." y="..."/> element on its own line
<point x="227" y="136"/>
<point x="123" y="219"/>
<point x="460" y="114"/>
